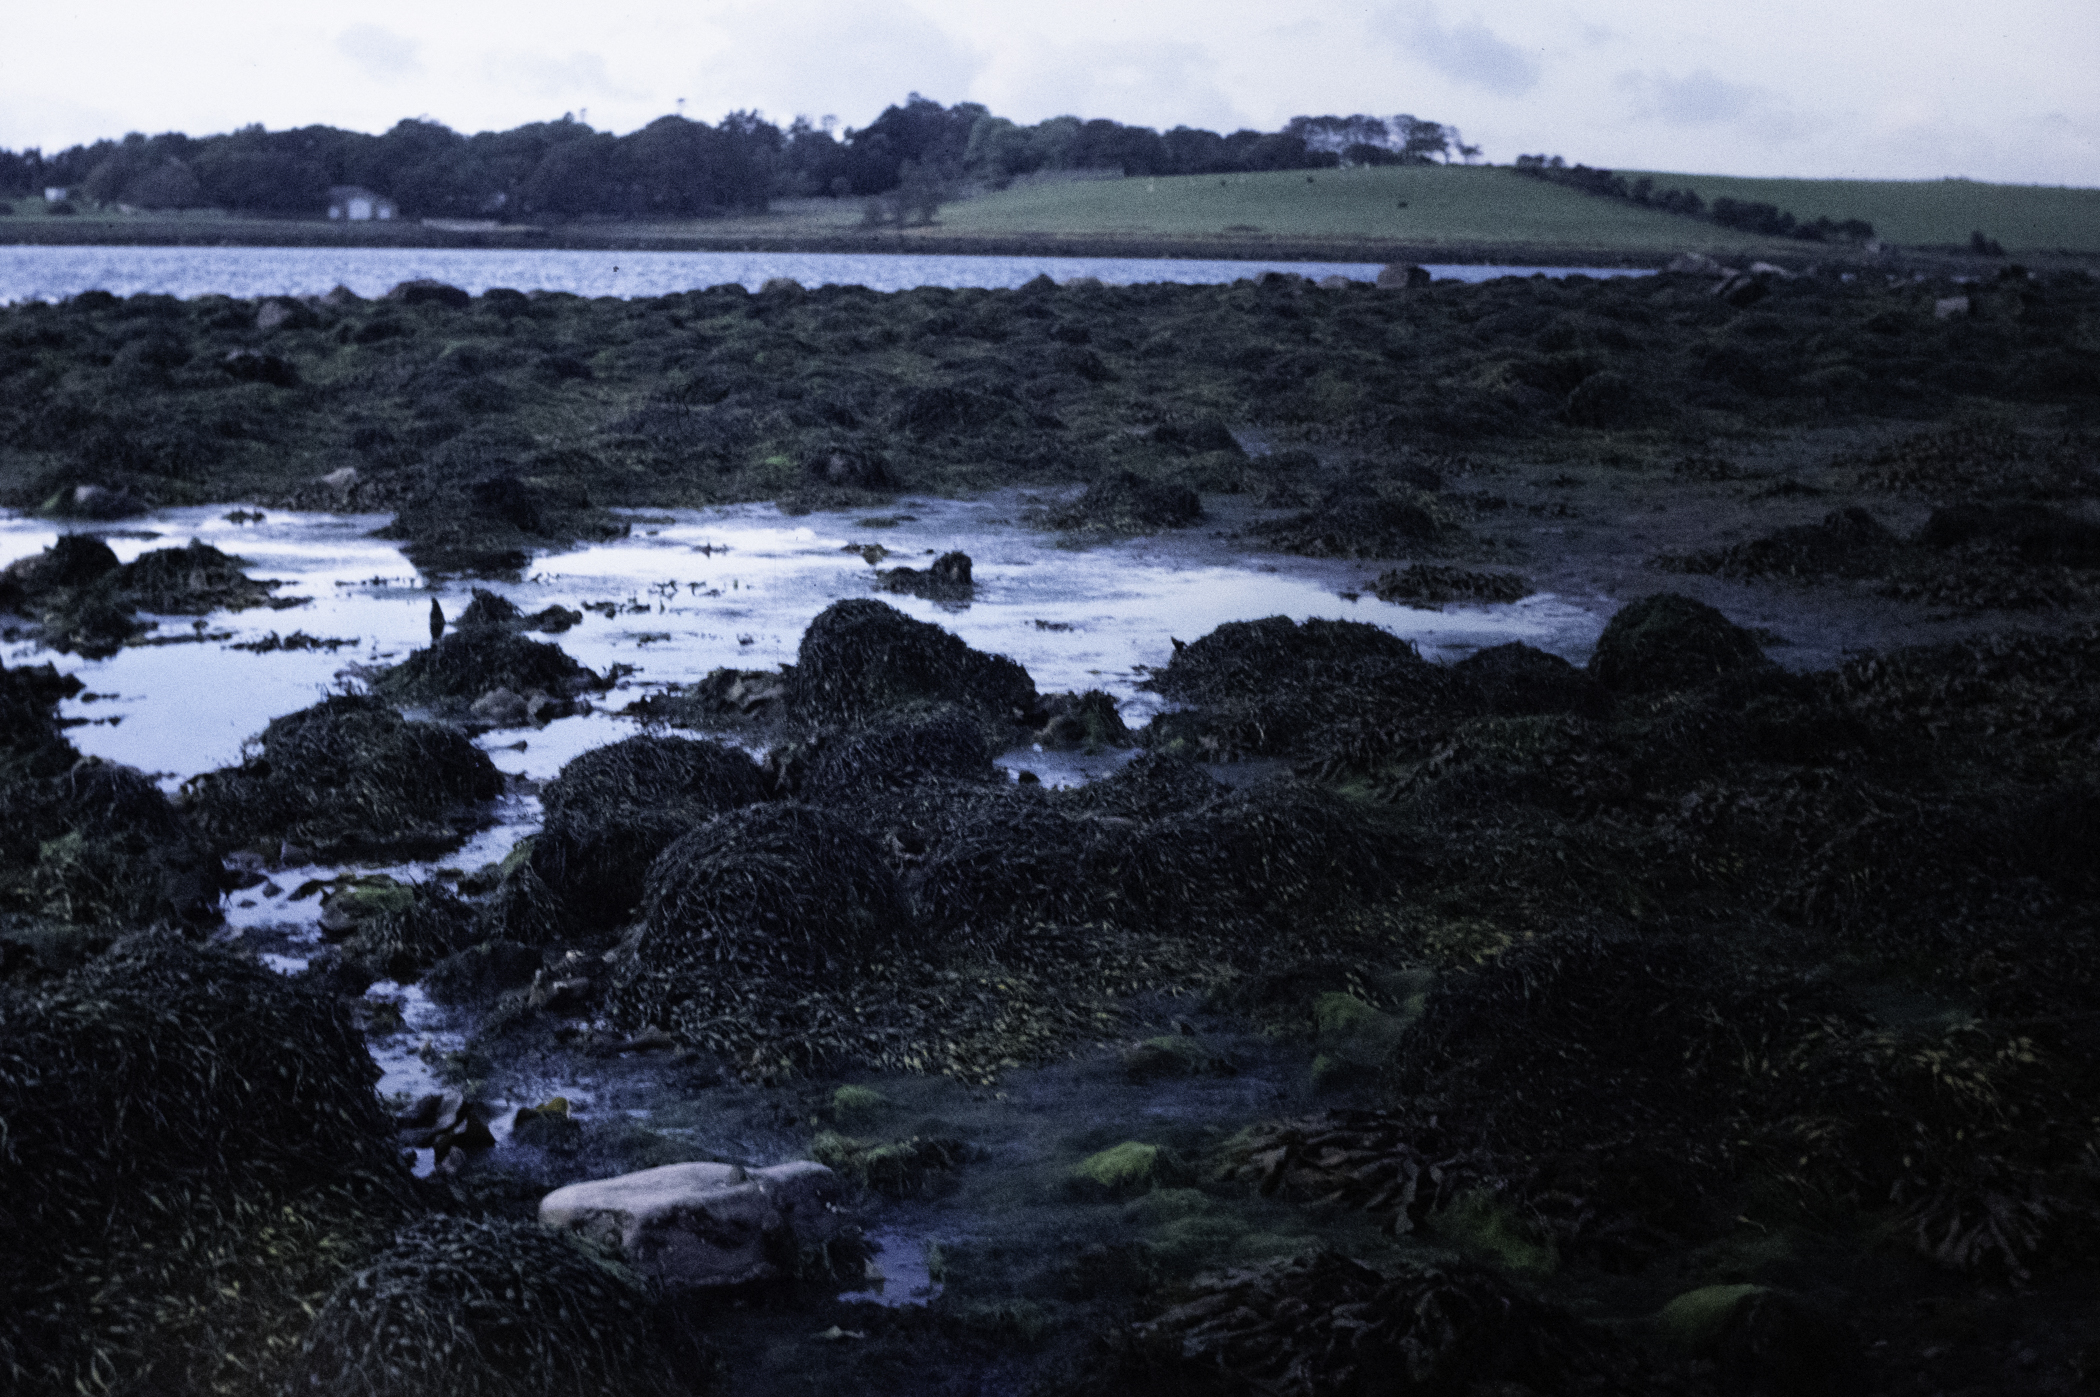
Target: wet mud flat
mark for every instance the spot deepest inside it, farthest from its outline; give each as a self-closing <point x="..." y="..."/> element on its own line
<point x="1701" y="1004"/>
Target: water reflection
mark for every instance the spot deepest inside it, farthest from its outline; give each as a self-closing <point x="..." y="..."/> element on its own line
<point x="52" y="273"/>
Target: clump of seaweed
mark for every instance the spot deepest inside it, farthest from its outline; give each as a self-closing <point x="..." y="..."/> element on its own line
<point x="1980" y="460"/>
<point x="612" y="810"/>
<point x="1362" y="519"/>
<point x="1125" y="502"/>
<point x="83" y="600"/>
<point x="462" y="1307"/>
<point x="761" y="901"/>
<point x="862" y="658"/>
<point x="1271" y="686"/>
<point x="947" y="581"/>
<point x="1324" y="1325"/>
<point x="940" y="744"/>
<point x="1436" y="584"/>
<point x="1519" y="680"/>
<point x="492" y="524"/>
<point x="347" y="777"/>
<point x="194" y="1154"/>
<point x="1669" y="641"/>
<point x="470" y="661"/>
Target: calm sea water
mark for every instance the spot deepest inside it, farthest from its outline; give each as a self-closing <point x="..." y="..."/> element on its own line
<point x="52" y="273"/>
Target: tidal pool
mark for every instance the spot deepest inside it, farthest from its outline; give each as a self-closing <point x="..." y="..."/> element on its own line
<point x="693" y="590"/>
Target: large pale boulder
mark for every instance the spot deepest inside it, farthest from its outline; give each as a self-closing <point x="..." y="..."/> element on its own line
<point x="704" y="1224"/>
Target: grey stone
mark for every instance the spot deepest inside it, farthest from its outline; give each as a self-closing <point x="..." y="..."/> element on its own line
<point x="703" y="1224"/>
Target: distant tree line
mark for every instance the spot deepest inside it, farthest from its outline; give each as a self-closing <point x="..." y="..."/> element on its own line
<point x="1769" y="220"/>
<point x="917" y="153"/>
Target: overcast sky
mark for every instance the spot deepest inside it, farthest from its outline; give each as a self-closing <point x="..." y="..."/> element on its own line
<point x="2007" y="90"/>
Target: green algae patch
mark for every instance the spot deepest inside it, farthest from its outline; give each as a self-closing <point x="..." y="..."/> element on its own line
<point x="895" y="1169"/>
<point x="1484" y="1223"/>
<point x="856" y="1102"/>
<point x="1124" y="1170"/>
<point x="1696" y="1320"/>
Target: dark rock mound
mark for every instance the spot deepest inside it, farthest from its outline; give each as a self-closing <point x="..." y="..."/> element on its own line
<point x="1158" y="849"/>
<point x="75" y="560"/>
<point x="1433" y="584"/>
<point x="1199" y="434"/>
<point x="457" y="1307"/>
<point x="99" y="845"/>
<point x="349" y="776"/>
<point x="944" y="744"/>
<point x="174" y="1113"/>
<point x="615" y="808"/>
<point x="1323" y="1325"/>
<point x="191" y="581"/>
<point x="1274" y="686"/>
<point x="948" y="580"/>
<point x="471" y="661"/>
<point x="847" y="468"/>
<point x="396" y="931"/>
<point x="492" y="525"/>
<point x="1359" y="520"/>
<point x="487" y="609"/>
<point x="1086" y="722"/>
<point x="481" y="972"/>
<point x="862" y="658"/>
<point x="1243" y="657"/>
<point x="1668" y="641"/>
<point x="2038" y="534"/>
<point x="1848" y="542"/>
<point x="1129" y="503"/>
<point x="779" y="892"/>
<point x="1518" y="680"/>
<point x="255" y="366"/>
<point x="424" y="291"/>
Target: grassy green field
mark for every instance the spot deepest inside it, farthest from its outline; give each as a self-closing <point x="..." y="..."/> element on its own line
<point x="1468" y="214"/>
<point x="1924" y="213"/>
<point x="1425" y="205"/>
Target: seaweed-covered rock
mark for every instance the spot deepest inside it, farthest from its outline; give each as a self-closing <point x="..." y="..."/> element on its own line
<point x="2037" y="533"/>
<point x="779" y="892"/>
<point x="862" y="658"/>
<point x="349" y="776"/>
<point x="480" y="973"/>
<point x="947" y="580"/>
<point x="456" y="1307"/>
<point x="1326" y="1326"/>
<point x="1669" y="641"/>
<point x="193" y="1149"/>
<point x="945" y="743"/>
<point x="400" y="936"/>
<point x="469" y="662"/>
<point x="1126" y="502"/>
<point x="1088" y="721"/>
<point x="1435" y="584"/>
<point x="1360" y="520"/>
<point x="612" y="810"/>
<point x="83" y="600"/>
<point x="1848" y="542"/>
<point x="191" y="581"/>
<point x="1275" y="686"/>
<point x="1518" y="680"/>
<point x="31" y="742"/>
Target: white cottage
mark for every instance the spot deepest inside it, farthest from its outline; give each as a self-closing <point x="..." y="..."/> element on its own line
<point x="358" y="205"/>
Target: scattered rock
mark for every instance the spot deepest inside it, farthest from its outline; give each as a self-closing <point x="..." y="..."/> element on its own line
<point x="704" y="1224"/>
<point x="1669" y="641"/>
<point x="1401" y="274"/>
<point x="424" y="291"/>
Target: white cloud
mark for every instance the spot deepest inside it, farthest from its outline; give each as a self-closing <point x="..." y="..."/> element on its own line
<point x="1468" y="52"/>
<point x="380" y="52"/>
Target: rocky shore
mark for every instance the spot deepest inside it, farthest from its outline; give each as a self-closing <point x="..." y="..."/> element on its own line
<point x="1712" y="1016"/>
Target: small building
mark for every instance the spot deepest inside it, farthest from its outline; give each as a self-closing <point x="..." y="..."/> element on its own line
<point x="55" y="193"/>
<point x="353" y="204"/>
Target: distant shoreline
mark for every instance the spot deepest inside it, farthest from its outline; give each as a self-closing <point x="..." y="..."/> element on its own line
<point x="93" y="232"/>
<point x="129" y="232"/>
